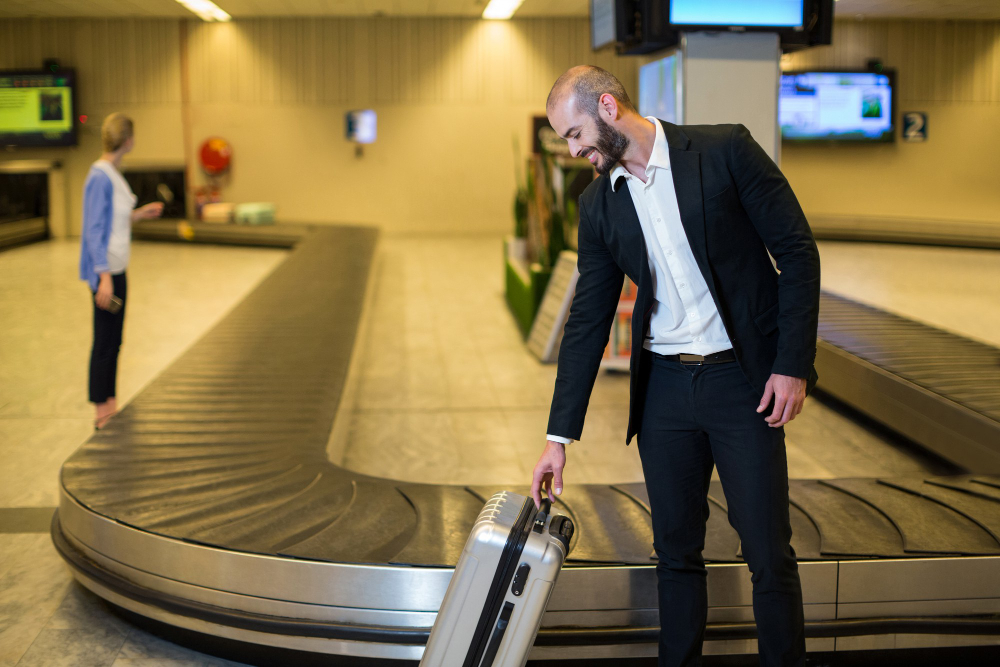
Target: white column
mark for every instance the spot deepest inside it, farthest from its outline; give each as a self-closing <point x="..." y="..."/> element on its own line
<point x="732" y="77"/>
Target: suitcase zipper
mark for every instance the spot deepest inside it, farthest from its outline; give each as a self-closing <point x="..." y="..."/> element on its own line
<point x="498" y="589"/>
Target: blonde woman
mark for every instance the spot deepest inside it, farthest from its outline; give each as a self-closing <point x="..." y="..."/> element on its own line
<point x="108" y="213"/>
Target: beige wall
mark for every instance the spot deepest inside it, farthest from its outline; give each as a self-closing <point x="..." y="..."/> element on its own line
<point x="122" y="65"/>
<point x="949" y="69"/>
<point x="450" y="94"/>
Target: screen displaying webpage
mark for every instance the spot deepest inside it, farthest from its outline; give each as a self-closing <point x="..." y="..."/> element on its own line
<point x="835" y="105"/>
<point x="35" y="109"/>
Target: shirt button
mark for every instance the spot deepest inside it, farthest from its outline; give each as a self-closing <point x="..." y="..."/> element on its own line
<point x="659" y="219"/>
<point x="698" y="339"/>
<point x="682" y="285"/>
<point x="670" y="252"/>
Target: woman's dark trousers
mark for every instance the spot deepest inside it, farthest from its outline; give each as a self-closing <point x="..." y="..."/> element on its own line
<point x="107" y="341"/>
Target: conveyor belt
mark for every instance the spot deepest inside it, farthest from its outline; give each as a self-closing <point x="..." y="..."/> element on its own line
<point x="922" y="231"/>
<point x="209" y="503"/>
<point x="275" y="236"/>
<point x="935" y="387"/>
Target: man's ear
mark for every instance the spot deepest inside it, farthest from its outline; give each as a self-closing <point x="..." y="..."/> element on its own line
<point x="608" y="105"/>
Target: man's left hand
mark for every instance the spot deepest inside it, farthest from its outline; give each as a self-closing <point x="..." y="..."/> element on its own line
<point x="789" y="394"/>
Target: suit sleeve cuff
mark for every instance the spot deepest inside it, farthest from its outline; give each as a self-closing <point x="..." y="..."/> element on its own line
<point x="559" y="438"/>
<point x="792" y="369"/>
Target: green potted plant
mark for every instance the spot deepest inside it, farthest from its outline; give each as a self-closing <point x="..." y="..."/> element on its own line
<point x="517" y="247"/>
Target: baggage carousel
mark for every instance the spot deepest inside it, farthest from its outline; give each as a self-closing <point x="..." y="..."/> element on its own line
<point x="210" y="504"/>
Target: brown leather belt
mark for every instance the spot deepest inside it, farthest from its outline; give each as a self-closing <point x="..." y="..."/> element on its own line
<point x="723" y="357"/>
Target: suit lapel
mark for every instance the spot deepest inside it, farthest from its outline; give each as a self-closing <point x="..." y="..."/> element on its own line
<point x="685" y="167"/>
<point x="628" y="228"/>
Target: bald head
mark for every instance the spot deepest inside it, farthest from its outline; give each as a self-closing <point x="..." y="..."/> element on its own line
<point x="585" y="84"/>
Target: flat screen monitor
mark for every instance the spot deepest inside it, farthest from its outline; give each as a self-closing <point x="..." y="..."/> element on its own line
<point x="837" y="106"/>
<point x="603" y="30"/>
<point x="736" y="13"/>
<point x="361" y="126"/>
<point x="660" y="89"/>
<point x="37" y="108"/>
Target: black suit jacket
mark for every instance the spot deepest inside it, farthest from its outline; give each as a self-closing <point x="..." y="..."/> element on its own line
<point x="735" y="206"/>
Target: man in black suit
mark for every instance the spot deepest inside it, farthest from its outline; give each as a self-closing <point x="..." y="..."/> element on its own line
<point x="722" y="343"/>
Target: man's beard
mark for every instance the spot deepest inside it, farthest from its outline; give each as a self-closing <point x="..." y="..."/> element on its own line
<point x="611" y="144"/>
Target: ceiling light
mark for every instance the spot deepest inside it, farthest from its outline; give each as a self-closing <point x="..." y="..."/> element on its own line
<point x="206" y="10"/>
<point x="501" y="9"/>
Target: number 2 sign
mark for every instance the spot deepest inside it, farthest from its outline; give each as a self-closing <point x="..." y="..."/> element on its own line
<point x="914" y="126"/>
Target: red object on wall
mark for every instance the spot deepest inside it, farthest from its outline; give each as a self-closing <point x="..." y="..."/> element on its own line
<point x="216" y="154"/>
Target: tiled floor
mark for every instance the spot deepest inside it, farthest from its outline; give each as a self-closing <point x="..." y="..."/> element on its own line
<point x="446" y="392"/>
<point x="176" y="293"/>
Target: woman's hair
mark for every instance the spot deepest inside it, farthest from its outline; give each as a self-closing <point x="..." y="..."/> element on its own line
<point x="115" y="131"/>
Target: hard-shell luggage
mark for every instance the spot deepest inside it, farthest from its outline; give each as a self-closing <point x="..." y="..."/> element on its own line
<point x="501" y="585"/>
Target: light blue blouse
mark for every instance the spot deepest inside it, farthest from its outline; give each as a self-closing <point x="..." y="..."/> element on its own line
<point x="98" y="194"/>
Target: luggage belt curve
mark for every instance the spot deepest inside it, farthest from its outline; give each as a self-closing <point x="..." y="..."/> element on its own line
<point x="232" y="522"/>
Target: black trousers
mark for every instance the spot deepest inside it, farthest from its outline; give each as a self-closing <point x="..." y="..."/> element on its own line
<point x="107" y="341"/>
<point x="694" y="417"/>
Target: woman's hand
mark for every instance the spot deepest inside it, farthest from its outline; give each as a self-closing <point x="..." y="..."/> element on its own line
<point x="148" y="212"/>
<point x="105" y="290"/>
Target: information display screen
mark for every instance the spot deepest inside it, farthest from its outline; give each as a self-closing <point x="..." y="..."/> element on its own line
<point x="837" y="106"/>
<point x="602" y="23"/>
<point x="36" y="108"/>
<point x="763" y="13"/>
<point x="362" y="126"/>
<point x="660" y="89"/>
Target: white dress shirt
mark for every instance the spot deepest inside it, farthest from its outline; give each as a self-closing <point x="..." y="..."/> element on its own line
<point x="684" y="317"/>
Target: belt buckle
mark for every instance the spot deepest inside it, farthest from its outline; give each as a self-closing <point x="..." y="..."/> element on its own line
<point x="691" y="359"/>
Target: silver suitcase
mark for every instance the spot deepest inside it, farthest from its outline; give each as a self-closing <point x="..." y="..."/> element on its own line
<point x="501" y="585"/>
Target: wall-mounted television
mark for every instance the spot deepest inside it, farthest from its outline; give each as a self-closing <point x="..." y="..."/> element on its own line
<point x="37" y="108"/>
<point x="641" y="26"/>
<point x="707" y="14"/>
<point x="603" y="23"/>
<point x="660" y="89"/>
<point x="840" y="106"/>
<point x="646" y="26"/>
<point x="361" y="126"/>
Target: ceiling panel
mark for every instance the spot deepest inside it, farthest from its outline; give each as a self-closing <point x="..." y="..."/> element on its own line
<point x="913" y="9"/>
<point x="92" y="8"/>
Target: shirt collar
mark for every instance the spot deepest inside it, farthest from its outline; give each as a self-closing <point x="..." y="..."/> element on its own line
<point x="660" y="156"/>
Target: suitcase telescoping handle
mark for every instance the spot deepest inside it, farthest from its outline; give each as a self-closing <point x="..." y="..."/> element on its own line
<point x="543" y="513"/>
<point x="560" y="528"/>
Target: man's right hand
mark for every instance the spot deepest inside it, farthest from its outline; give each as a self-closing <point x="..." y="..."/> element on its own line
<point x="549" y="467"/>
<point x="105" y="290"/>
